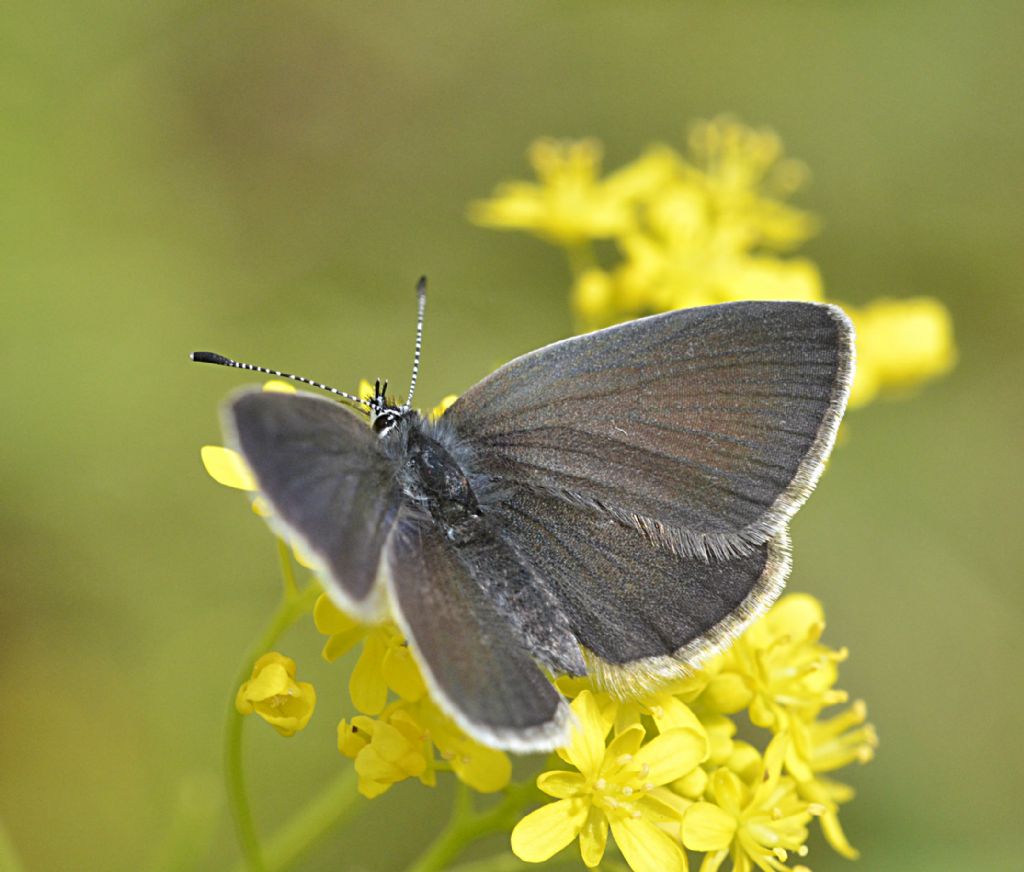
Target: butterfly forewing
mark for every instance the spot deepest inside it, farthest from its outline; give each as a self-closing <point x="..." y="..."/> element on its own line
<point x="705" y="427"/>
<point x="332" y="494"/>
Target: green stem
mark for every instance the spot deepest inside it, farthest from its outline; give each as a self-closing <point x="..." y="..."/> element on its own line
<point x="291" y="608"/>
<point x="318" y="817"/>
<point x="467" y="825"/>
<point x="284" y="556"/>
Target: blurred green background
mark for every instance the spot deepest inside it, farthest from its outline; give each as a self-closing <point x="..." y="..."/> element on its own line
<point x="268" y="179"/>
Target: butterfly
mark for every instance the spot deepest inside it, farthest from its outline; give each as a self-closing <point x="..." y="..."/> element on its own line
<point x="613" y="505"/>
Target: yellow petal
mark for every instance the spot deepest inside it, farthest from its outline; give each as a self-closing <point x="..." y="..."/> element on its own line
<point x="443" y="406"/>
<point x="797" y="615"/>
<point x="277" y="386"/>
<point x="271" y="680"/>
<point x="623" y="747"/>
<point x="692" y="786"/>
<point x="713" y="861"/>
<point x="585" y="750"/>
<point x="671" y="755"/>
<point x="671" y="713"/>
<point x="351" y="739"/>
<point x="329" y="619"/>
<point x="546" y="831"/>
<point x="561" y="785"/>
<point x="594" y="837"/>
<point x="706" y="827"/>
<point x="836" y="837"/>
<point x="486" y="770"/>
<point x="226" y="467"/>
<point x="745" y="761"/>
<point x="727" y="692"/>
<point x="366" y="684"/>
<point x="276" y="658"/>
<point x="402" y="674"/>
<point x="646" y="848"/>
<point x="661" y="805"/>
<point x="728" y="790"/>
<point x="340" y="644"/>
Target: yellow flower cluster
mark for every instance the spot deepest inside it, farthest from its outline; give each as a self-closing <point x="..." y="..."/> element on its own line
<point x="406" y="736"/>
<point x="694" y="785"/>
<point x="669" y="231"/>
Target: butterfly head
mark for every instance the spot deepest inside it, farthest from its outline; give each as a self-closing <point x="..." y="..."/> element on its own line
<point x="384" y="414"/>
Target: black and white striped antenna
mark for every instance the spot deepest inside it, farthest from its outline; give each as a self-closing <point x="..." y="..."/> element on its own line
<point x="421" y="294"/>
<point x="221" y="360"/>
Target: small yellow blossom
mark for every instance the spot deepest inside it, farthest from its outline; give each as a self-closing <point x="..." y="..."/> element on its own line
<point x="384" y="664"/>
<point x="759" y="822"/>
<point x="274" y="694"/>
<point x="569" y="206"/>
<point x="385" y="751"/>
<point x="900" y="345"/>
<point x="778" y="668"/>
<point x="618" y="787"/>
<point x="825" y="745"/>
<point x="414" y="740"/>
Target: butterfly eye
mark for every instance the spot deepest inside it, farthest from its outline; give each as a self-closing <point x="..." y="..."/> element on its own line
<point x="385" y="419"/>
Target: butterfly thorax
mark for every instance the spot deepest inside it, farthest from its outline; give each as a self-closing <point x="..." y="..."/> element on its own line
<point x="432" y="478"/>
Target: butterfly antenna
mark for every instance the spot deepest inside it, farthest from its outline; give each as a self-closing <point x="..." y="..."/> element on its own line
<point x="421" y="294"/>
<point x="221" y="360"/>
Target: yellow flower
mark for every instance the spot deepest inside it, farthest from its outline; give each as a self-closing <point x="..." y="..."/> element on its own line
<point x="900" y="344"/>
<point x="406" y="742"/>
<point x="385" y="751"/>
<point x="824" y="746"/>
<point x="707" y="226"/>
<point x="385" y="663"/>
<point x="484" y="769"/>
<point x="274" y="694"/>
<point x="569" y="206"/>
<point x="618" y="787"/>
<point x="778" y="668"/>
<point x="760" y="822"/>
<point x="744" y="175"/>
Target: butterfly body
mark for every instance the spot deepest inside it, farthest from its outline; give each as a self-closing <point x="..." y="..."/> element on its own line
<point x="613" y="505"/>
<point x="431" y="477"/>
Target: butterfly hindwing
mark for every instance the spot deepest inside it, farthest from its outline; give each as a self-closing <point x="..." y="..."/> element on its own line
<point x="476" y="668"/>
<point x="646" y="612"/>
<point x="705" y="427"/>
<point x="332" y="494"/>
